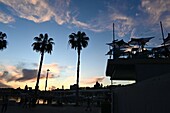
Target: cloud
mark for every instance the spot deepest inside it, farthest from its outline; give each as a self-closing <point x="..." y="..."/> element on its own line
<point x="55" y="70"/>
<point x="123" y="24"/>
<point x="52" y="88"/>
<point x="103" y="21"/>
<point x="35" y="64"/>
<point x="137" y="20"/>
<point x="127" y="17"/>
<point x="31" y="74"/>
<point x="46" y="10"/>
<point x="53" y="67"/>
<point x="166" y="21"/>
<point x="4" y="18"/>
<point x="28" y="74"/>
<point x="30" y="9"/>
<point x="142" y="17"/>
<point x="2" y="85"/>
<point x="156" y="9"/>
<point x="9" y="73"/>
<point x="79" y="23"/>
<point x="61" y="11"/>
<point x="93" y="80"/>
<point x="84" y="25"/>
<point x="40" y="10"/>
<point x="20" y="73"/>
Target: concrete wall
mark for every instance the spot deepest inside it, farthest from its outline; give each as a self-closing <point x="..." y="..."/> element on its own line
<point x="148" y="96"/>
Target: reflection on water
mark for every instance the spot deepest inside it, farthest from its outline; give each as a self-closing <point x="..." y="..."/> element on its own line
<point x="13" y="100"/>
<point x="40" y="101"/>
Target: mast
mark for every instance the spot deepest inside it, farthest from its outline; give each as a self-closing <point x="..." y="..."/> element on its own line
<point x="113" y="32"/>
<point x="162" y="33"/>
<point x="114" y="55"/>
<point x="110" y="56"/>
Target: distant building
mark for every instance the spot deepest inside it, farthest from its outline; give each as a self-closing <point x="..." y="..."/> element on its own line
<point x="73" y="87"/>
<point x="97" y="85"/>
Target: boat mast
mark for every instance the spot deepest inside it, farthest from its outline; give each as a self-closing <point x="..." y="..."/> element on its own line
<point x="166" y="49"/>
<point x="162" y="33"/>
<point x="114" y="54"/>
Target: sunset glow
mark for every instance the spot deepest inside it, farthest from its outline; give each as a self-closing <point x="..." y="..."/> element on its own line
<point x="22" y="20"/>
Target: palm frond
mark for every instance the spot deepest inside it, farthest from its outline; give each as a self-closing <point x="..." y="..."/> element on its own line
<point x="2" y="36"/>
<point x="79" y="40"/>
<point x="3" y="42"/>
<point x="48" y="48"/>
<point x="83" y="34"/>
<point x="50" y="41"/>
<point x="38" y="39"/>
<point x="43" y="44"/>
<point x="36" y="47"/>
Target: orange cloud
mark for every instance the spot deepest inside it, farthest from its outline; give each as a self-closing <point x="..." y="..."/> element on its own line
<point x="93" y="80"/>
<point x="52" y="88"/>
<point x="19" y="75"/>
<point x="3" y="85"/>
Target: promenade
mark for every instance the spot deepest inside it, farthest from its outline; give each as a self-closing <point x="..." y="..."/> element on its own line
<point x="51" y="109"/>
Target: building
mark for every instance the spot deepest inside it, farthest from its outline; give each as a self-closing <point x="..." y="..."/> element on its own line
<point x="151" y="71"/>
<point x="137" y="69"/>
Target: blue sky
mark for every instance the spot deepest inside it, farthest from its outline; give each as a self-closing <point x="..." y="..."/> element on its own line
<point x="22" y="20"/>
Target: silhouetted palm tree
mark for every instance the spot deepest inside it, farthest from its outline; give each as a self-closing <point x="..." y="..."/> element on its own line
<point x="3" y="42"/>
<point x="77" y="42"/>
<point x="42" y="44"/>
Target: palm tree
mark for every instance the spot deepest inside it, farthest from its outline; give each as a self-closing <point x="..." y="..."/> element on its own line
<point x="77" y="42"/>
<point x="42" y="45"/>
<point x="3" y="42"/>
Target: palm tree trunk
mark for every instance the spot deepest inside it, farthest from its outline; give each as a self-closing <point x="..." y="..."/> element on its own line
<point x="78" y="68"/>
<point x="39" y="73"/>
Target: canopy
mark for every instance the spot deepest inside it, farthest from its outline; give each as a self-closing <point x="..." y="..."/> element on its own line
<point x="110" y="52"/>
<point x="139" y="41"/>
<point x="119" y="44"/>
<point x="167" y="40"/>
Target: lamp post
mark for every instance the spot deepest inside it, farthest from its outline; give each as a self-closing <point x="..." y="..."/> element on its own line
<point x="46" y="79"/>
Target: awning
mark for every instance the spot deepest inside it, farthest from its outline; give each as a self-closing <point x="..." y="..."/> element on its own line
<point x="139" y="41"/>
<point x="119" y="44"/>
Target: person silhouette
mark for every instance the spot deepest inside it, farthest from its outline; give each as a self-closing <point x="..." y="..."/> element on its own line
<point x="4" y="103"/>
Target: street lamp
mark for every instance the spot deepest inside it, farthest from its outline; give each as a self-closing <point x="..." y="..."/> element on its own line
<point x="46" y="79"/>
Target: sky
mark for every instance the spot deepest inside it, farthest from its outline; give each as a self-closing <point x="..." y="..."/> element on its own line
<point x="22" y="20"/>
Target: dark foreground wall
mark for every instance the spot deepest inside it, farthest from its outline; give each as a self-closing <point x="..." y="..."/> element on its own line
<point x="149" y="96"/>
